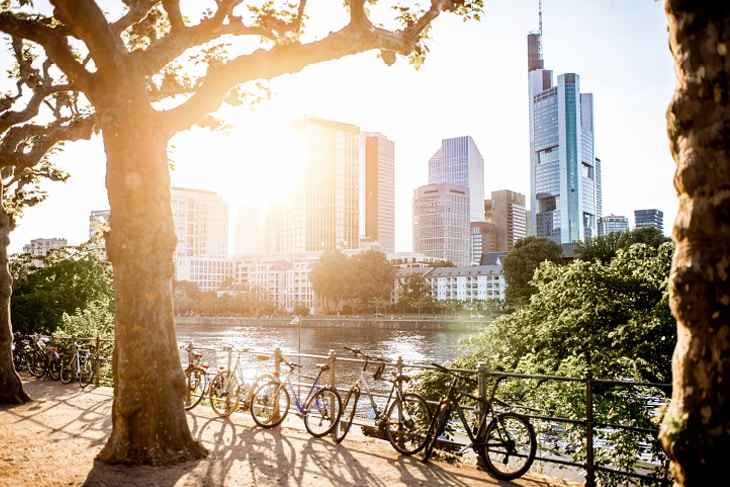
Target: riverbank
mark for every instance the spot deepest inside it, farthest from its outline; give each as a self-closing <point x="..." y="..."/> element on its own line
<point x="395" y="323"/>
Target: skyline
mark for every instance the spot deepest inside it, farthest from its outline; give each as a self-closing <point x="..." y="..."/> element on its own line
<point x="474" y="83"/>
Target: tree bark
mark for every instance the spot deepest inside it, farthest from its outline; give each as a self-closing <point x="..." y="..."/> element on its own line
<point x="11" y="387"/>
<point x="148" y="417"/>
<point x="696" y="429"/>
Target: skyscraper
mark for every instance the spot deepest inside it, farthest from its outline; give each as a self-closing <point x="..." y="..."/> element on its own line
<point x="323" y="213"/>
<point x="612" y="223"/>
<point x="377" y="217"/>
<point x="459" y="162"/>
<point x="441" y="222"/>
<point x="506" y="210"/>
<point x="649" y="218"/>
<point x="563" y="178"/>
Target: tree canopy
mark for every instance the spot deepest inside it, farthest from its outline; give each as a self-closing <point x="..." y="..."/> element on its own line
<point x="520" y="264"/>
<point x="605" y="247"/>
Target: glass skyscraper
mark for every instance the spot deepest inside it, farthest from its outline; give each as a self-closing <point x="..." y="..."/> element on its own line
<point x="564" y="177"/>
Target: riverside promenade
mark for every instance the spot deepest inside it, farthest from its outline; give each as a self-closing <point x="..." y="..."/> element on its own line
<point x="53" y="440"/>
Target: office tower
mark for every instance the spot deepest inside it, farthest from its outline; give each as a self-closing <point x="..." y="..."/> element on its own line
<point x="563" y="184"/>
<point x="460" y="163"/>
<point x="323" y="213"/>
<point x="377" y="218"/>
<point x="441" y="222"/>
<point x="649" y="218"/>
<point x="250" y="233"/>
<point x="506" y="210"/>
<point x="483" y="239"/>
<point x="201" y="226"/>
<point x="612" y="223"/>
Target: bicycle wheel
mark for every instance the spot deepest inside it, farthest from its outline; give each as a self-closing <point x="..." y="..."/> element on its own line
<point x="270" y="403"/>
<point x="224" y="393"/>
<point x="66" y="373"/>
<point x="349" y="407"/>
<point x="195" y="380"/>
<point x="87" y="374"/>
<point x="322" y="412"/>
<point x="408" y="422"/>
<point x="435" y="429"/>
<point x="510" y="446"/>
<point x="36" y="362"/>
<point x="53" y="367"/>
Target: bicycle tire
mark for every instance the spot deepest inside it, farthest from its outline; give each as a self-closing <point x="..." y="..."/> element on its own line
<point x="407" y="422"/>
<point x="224" y="393"/>
<point x="65" y="374"/>
<point x="322" y="412"/>
<point x="510" y="446"/>
<point x="349" y="407"/>
<point x="88" y="371"/>
<point x="53" y="367"/>
<point x="437" y="426"/>
<point x="36" y="363"/>
<point x="196" y="385"/>
<point x="270" y="403"/>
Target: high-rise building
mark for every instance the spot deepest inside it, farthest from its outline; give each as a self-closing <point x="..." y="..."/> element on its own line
<point x="201" y="226"/>
<point x="441" y="222"/>
<point x="41" y="246"/>
<point x="483" y="239"/>
<point x="460" y="163"/>
<point x="506" y="210"/>
<point x="323" y="213"/>
<point x="377" y="217"/>
<point x="563" y="179"/>
<point x="649" y="218"/>
<point x="612" y="223"/>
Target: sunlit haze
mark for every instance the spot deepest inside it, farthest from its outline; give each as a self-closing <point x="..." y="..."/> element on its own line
<point x="474" y="82"/>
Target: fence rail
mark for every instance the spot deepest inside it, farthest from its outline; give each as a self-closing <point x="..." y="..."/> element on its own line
<point x="555" y="446"/>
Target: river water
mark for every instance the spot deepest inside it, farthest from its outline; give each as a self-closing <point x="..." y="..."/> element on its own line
<point x="420" y="347"/>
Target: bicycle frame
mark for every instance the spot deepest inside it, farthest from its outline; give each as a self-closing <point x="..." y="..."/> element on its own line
<point x="313" y="389"/>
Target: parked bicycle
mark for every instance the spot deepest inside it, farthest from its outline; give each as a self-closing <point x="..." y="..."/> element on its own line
<point x="196" y="377"/>
<point x="506" y="444"/>
<point x="320" y="408"/>
<point x="230" y="386"/>
<point x="80" y="365"/>
<point x="52" y="360"/>
<point x="403" y="417"/>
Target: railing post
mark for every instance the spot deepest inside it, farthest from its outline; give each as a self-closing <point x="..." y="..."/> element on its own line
<point x="331" y="362"/>
<point x="482" y="387"/>
<point x="97" y="369"/>
<point x="590" y="473"/>
<point x="277" y="362"/>
<point x="399" y="373"/>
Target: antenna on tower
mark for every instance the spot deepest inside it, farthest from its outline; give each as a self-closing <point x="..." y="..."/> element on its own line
<point x="539" y="31"/>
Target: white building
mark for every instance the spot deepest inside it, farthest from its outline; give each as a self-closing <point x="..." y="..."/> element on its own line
<point x="441" y="222"/>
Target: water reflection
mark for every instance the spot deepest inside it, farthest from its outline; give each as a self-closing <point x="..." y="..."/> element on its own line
<point x="414" y="346"/>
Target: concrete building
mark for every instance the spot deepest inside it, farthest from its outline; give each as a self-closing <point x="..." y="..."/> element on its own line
<point x="377" y="215"/>
<point x="564" y="180"/>
<point x="441" y="222"/>
<point x="612" y="223"/>
<point x="649" y="218"/>
<point x="323" y="212"/>
<point x="460" y="163"/>
<point x="483" y="239"/>
<point x="41" y="246"/>
<point x="201" y="226"/>
<point x="506" y="211"/>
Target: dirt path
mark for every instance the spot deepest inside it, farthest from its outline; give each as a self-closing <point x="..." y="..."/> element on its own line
<point x="53" y="441"/>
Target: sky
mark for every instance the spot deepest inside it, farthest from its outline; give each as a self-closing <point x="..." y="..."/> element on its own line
<point x="474" y="82"/>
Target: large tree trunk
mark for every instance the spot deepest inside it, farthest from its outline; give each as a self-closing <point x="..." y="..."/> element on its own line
<point x="696" y="430"/>
<point x="11" y="387"/>
<point x="148" y="417"/>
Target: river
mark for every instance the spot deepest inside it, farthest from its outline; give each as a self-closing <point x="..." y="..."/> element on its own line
<point x="413" y="346"/>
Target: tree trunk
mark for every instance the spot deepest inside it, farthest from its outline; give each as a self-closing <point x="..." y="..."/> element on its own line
<point x="11" y="387"/>
<point x="149" y="421"/>
<point x="696" y="429"/>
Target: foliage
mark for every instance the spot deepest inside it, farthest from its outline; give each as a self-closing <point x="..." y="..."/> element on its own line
<point x="363" y="279"/>
<point x="520" y="264"/>
<point x="605" y="247"/>
<point x="96" y="320"/>
<point x="415" y="293"/>
<point x="63" y="282"/>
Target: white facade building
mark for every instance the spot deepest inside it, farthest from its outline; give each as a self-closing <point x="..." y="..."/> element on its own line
<point x="441" y="222"/>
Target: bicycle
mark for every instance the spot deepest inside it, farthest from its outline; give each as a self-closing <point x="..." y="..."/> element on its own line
<point x="196" y="377"/>
<point x="402" y="418"/>
<point x="229" y="386"/>
<point x="81" y="365"/>
<point x="320" y="408"/>
<point x="506" y="444"/>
